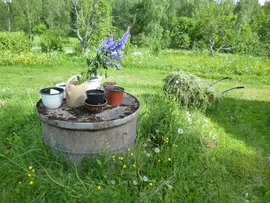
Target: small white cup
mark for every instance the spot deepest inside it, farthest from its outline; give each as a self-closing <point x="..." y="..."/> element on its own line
<point x="63" y="86"/>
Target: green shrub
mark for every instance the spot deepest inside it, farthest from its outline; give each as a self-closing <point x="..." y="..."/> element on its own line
<point x="40" y="29"/>
<point x="189" y="90"/>
<point x="181" y="32"/>
<point x="14" y="42"/>
<point x="51" y="41"/>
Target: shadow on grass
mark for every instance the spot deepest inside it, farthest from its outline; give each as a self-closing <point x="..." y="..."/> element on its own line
<point x="245" y="120"/>
<point x="206" y="168"/>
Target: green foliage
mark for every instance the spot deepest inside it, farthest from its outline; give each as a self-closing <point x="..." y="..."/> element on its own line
<point x="51" y="41"/>
<point x="40" y="29"/>
<point x="56" y="15"/>
<point x="189" y="90"/>
<point x="29" y="12"/>
<point x="264" y="28"/>
<point x="121" y="12"/>
<point x="181" y="32"/>
<point x="14" y="42"/>
<point x="215" y="23"/>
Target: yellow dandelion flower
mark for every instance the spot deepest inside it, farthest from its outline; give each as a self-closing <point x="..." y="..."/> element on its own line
<point x="134" y="165"/>
<point x="166" y="140"/>
<point x="150" y="184"/>
<point x="121" y="158"/>
<point x="29" y="175"/>
<point x="124" y="166"/>
<point x="113" y="157"/>
<point x="131" y="154"/>
<point x="129" y="149"/>
<point x="159" y="161"/>
<point x="20" y="183"/>
<point x="169" y="159"/>
<point x="99" y="187"/>
<point x="30" y="167"/>
<point x="31" y="182"/>
<point x="33" y="170"/>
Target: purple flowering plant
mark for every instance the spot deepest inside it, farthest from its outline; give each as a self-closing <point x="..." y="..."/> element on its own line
<point x="108" y="52"/>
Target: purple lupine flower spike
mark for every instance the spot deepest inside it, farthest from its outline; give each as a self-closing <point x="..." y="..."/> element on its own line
<point x="108" y="42"/>
<point x="125" y="35"/>
<point x="117" y="55"/>
<point x="118" y="44"/>
<point x="118" y="67"/>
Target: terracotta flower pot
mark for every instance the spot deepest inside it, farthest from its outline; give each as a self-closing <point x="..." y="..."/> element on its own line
<point x="115" y="95"/>
<point x="106" y="85"/>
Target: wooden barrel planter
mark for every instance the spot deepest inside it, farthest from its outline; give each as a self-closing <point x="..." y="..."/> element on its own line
<point x="78" y="132"/>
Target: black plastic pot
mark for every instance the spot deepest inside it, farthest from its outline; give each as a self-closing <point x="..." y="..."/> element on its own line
<point x="95" y="97"/>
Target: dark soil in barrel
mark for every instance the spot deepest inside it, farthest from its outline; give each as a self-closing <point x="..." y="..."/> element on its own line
<point x="129" y="105"/>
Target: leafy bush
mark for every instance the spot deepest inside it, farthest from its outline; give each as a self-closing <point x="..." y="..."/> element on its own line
<point x="181" y="32"/>
<point x="51" y="41"/>
<point x="189" y="90"/>
<point x="40" y="29"/>
<point x="14" y="42"/>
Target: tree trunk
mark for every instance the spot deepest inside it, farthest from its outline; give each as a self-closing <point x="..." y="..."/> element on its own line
<point x="211" y="40"/>
<point x="9" y="21"/>
<point x="84" y="46"/>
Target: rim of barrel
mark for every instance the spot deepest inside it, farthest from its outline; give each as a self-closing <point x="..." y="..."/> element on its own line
<point x="90" y="126"/>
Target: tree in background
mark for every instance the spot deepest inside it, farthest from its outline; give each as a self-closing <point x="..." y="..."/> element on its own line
<point x="93" y="21"/>
<point x="29" y="13"/>
<point x="219" y="25"/>
<point x="181" y="32"/>
<point x="8" y="5"/>
<point x="121" y="13"/>
<point x="215" y="23"/>
<point x="149" y="19"/>
<point x="56" y="15"/>
<point x="264" y="30"/>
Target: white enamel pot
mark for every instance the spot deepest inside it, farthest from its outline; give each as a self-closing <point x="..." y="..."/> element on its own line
<point x="52" y="97"/>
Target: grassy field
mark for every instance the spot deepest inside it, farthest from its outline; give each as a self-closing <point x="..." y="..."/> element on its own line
<point x="220" y="155"/>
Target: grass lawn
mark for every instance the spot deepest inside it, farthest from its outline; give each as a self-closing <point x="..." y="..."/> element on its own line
<point x="223" y="154"/>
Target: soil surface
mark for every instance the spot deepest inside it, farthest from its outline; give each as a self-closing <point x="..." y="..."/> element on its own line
<point x="129" y="105"/>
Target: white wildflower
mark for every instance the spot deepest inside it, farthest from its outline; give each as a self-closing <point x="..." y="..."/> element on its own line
<point x="180" y="131"/>
<point x="169" y="186"/>
<point x="148" y="154"/>
<point x="113" y="182"/>
<point x="157" y="131"/>
<point x="189" y="120"/>
<point x="145" y="179"/>
<point x="135" y="182"/>
<point x="157" y="150"/>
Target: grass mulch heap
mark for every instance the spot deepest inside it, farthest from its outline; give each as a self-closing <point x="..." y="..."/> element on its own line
<point x="189" y="90"/>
